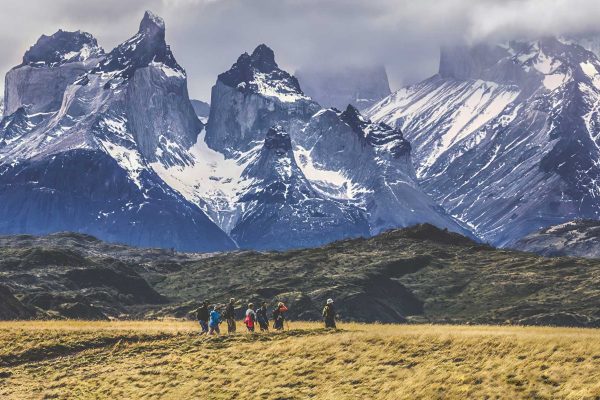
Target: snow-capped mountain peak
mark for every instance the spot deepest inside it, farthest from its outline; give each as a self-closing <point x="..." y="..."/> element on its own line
<point x="378" y="135"/>
<point x="88" y="141"/>
<point x="146" y="47"/>
<point x="251" y="97"/>
<point x="259" y="73"/>
<point x="62" y="47"/>
<point x="263" y="58"/>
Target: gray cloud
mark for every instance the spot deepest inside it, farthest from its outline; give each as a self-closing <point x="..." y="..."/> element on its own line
<point x="208" y="35"/>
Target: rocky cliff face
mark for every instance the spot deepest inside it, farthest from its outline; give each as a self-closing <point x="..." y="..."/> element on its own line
<point x="369" y="164"/>
<point x="49" y="66"/>
<point x="101" y="127"/>
<point x="505" y="137"/>
<point x="249" y="99"/>
<point x="280" y="207"/>
<point x="361" y="86"/>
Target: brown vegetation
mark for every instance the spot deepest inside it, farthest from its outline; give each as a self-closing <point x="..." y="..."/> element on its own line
<point x="167" y="359"/>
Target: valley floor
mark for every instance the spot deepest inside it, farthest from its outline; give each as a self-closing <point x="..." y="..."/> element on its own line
<point x="167" y="359"/>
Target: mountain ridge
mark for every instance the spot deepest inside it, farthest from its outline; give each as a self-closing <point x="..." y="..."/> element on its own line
<point x="515" y="130"/>
<point x="417" y="274"/>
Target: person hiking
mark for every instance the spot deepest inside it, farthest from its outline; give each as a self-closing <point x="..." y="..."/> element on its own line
<point x="229" y="316"/>
<point x="329" y="315"/>
<point x="202" y="315"/>
<point x="262" y="318"/>
<point x="250" y="318"/>
<point x="213" y="323"/>
<point x="278" y="316"/>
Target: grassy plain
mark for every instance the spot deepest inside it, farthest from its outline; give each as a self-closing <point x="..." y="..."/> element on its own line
<point x="168" y="359"/>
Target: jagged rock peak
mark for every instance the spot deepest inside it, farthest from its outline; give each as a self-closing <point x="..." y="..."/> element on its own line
<point x="147" y="46"/>
<point x="379" y="135"/>
<point x="62" y="47"/>
<point x="263" y="58"/>
<point x="352" y="117"/>
<point x="278" y="139"/>
<point x="152" y="25"/>
<point x="259" y="73"/>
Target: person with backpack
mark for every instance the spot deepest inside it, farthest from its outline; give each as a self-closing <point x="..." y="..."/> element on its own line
<point x="250" y="318"/>
<point x="202" y="315"/>
<point x="229" y="316"/>
<point x="213" y="323"/>
<point x="329" y="315"/>
<point x="278" y="316"/>
<point x="262" y="318"/>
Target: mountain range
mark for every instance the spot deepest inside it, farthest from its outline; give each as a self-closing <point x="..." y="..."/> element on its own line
<point x="505" y="137"/>
<point x="109" y="144"/>
<point x="501" y="142"/>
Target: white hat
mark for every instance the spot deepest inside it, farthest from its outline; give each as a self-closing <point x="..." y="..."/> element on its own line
<point x="329" y="301"/>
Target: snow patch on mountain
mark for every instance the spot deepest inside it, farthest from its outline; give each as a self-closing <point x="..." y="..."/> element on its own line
<point x="278" y="89"/>
<point x="466" y="106"/>
<point x="129" y="159"/>
<point x="554" y="81"/>
<point x="169" y="71"/>
<point x="333" y="183"/>
<point x="210" y="180"/>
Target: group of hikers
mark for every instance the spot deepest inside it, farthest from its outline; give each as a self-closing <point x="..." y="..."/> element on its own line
<point x="209" y="317"/>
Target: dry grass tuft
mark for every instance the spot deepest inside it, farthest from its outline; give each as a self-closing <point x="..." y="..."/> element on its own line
<point x="167" y="359"/>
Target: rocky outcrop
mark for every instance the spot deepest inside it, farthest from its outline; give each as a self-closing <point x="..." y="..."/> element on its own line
<point x="11" y="308"/>
<point x="420" y="273"/>
<point x="352" y="158"/>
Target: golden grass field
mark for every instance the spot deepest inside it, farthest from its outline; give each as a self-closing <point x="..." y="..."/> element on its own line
<point x="167" y="359"/>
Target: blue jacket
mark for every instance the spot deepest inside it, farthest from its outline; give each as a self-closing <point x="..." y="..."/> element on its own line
<point x="215" y="318"/>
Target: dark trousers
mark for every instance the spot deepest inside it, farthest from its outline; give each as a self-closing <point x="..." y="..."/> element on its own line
<point x="204" y="326"/>
<point x="231" y="325"/>
<point x="278" y="324"/>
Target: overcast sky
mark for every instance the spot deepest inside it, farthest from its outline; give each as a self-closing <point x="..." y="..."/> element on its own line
<point x="206" y="36"/>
